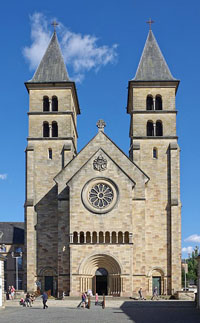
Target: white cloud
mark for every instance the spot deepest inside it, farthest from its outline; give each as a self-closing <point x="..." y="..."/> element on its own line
<point x="193" y="238"/>
<point x="187" y="249"/>
<point x="81" y="52"/>
<point x="3" y="176"/>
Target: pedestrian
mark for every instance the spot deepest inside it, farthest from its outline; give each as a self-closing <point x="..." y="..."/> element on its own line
<point x="140" y="294"/>
<point x="96" y="299"/>
<point x="12" y="292"/>
<point x="44" y="298"/>
<point x="155" y="293"/>
<point x="28" y="300"/>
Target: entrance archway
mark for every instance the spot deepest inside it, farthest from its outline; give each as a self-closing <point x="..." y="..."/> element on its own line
<point x="101" y="281"/>
<point x="102" y="274"/>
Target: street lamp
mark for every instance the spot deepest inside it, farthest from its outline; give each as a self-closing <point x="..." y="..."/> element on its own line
<point x="16" y="255"/>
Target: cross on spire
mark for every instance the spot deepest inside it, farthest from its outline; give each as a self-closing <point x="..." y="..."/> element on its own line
<point x="101" y="124"/>
<point x="150" y="22"/>
<point x="54" y="24"/>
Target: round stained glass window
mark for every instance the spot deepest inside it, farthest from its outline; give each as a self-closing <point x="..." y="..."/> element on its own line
<point x="101" y="195"/>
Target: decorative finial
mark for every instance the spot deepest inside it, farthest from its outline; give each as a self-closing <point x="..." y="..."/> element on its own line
<point x="150" y="22"/>
<point x="101" y="124"/>
<point x="54" y="24"/>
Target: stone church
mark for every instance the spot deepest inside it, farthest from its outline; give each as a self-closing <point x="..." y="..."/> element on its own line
<point x="99" y="219"/>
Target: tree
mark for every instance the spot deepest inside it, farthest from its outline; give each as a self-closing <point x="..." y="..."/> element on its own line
<point x="193" y="265"/>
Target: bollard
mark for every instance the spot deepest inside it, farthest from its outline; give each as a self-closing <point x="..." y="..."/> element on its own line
<point x="89" y="302"/>
<point x="104" y="302"/>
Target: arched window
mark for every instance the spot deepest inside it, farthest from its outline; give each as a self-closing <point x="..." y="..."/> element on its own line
<point x="100" y="237"/>
<point x="54" y="103"/>
<point x="45" y="103"/>
<point x="120" y="237"/>
<point x="50" y="153"/>
<point x="45" y="129"/>
<point x="114" y="237"/>
<point x="149" y="102"/>
<point x="81" y="237"/>
<point x="126" y="237"/>
<point x="107" y="237"/>
<point x="159" y="128"/>
<point x="75" y="237"/>
<point x="54" y="129"/>
<point x="88" y="237"/>
<point x="94" y="237"/>
<point x="155" y="153"/>
<point x="150" y="128"/>
<point x="158" y="102"/>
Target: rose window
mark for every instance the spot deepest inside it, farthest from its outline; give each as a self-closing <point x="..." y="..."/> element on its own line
<point x="101" y="195"/>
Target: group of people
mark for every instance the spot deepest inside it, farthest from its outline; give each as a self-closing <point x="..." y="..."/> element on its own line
<point x="154" y="296"/>
<point x="28" y="301"/>
<point x="84" y="299"/>
<point x="10" y="293"/>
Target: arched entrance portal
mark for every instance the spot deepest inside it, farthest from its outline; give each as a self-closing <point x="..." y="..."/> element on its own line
<point x="101" y="277"/>
<point x="102" y="274"/>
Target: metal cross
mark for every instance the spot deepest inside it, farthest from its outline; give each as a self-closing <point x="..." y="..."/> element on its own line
<point x="101" y="124"/>
<point x="150" y="22"/>
<point x="54" y="24"/>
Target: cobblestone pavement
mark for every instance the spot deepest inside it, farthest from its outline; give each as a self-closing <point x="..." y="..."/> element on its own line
<point x="128" y="311"/>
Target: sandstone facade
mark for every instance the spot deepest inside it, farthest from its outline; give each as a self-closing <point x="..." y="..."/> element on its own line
<point x="98" y="219"/>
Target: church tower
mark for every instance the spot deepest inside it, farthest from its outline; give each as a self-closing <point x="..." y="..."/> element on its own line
<point x="154" y="148"/>
<point x="52" y="143"/>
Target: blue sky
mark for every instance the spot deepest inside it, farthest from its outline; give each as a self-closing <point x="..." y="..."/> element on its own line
<point x="102" y="42"/>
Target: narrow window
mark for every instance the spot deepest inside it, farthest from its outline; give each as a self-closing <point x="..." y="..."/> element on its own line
<point x="149" y="128"/>
<point x="120" y="237"/>
<point x="107" y="237"/>
<point x="100" y="237"/>
<point x="159" y="128"/>
<point x="45" y="129"/>
<point x="54" y="129"/>
<point x="126" y="237"/>
<point x="50" y="153"/>
<point x="149" y="102"/>
<point x="94" y="237"/>
<point x="45" y="103"/>
<point x="75" y="237"/>
<point x="158" y="102"/>
<point x="114" y="238"/>
<point x="54" y="103"/>
<point x="81" y="237"/>
<point x="155" y="153"/>
<point x="88" y="237"/>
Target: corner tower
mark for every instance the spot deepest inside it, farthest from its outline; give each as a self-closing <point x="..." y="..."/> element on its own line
<point x="154" y="148"/>
<point x="52" y="143"/>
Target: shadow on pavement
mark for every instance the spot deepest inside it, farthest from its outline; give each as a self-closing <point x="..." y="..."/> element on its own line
<point x="161" y="311"/>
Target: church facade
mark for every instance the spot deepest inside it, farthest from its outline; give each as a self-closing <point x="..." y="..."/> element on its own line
<point x="100" y="219"/>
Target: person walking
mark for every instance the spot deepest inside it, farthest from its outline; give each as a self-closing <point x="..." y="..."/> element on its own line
<point x="44" y="298"/>
<point x="28" y="300"/>
<point x="96" y="299"/>
<point x="155" y="293"/>
<point x="12" y="292"/>
<point x="140" y="294"/>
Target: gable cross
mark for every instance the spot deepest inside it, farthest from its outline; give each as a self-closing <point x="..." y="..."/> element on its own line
<point x="150" y="22"/>
<point x="101" y="125"/>
<point x="54" y="24"/>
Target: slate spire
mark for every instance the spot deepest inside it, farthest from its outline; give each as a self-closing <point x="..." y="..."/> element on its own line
<point x="52" y="67"/>
<point x="152" y="65"/>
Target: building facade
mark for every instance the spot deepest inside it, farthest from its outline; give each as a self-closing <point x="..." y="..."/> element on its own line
<point x="100" y="219"/>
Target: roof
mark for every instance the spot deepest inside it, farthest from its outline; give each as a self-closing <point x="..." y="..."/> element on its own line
<point x="52" y="67"/>
<point x="13" y="232"/>
<point x="152" y="65"/>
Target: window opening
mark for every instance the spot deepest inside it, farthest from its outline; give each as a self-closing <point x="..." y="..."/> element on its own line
<point x="155" y="153"/>
<point x="158" y="102"/>
<point x="45" y="103"/>
<point x="50" y="154"/>
<point x="150" y="128"/>
<point x="159" y="128"/>
<point x="149" y="102"/>
<point x="54" y="129"/>
<point x="54" y="103"/>
<point x="45" y="129"/>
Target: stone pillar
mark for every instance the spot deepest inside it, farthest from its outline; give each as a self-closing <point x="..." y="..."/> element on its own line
<point x="78" y="237"/>
<point x="97" y="237"/>
<point x="110" y="237"/>
<point x="154" y="129"/>
<point x="154" y="103"/>
<point x="50" y="130"/>
<point x="50" y="105"/>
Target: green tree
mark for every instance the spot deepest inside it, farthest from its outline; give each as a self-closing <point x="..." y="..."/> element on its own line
<point x="193" y="265"/>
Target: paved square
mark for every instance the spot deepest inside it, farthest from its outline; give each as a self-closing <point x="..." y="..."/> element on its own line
<point x="129" y="311"/>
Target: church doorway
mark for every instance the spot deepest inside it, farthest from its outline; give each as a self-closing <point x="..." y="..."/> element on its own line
<point x="48" y="283"/>
<point x="156" y="283"/>
<point x="101" y="281"/>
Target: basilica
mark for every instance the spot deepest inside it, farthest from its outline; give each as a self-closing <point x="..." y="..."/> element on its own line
<point x="100" y="219"/>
